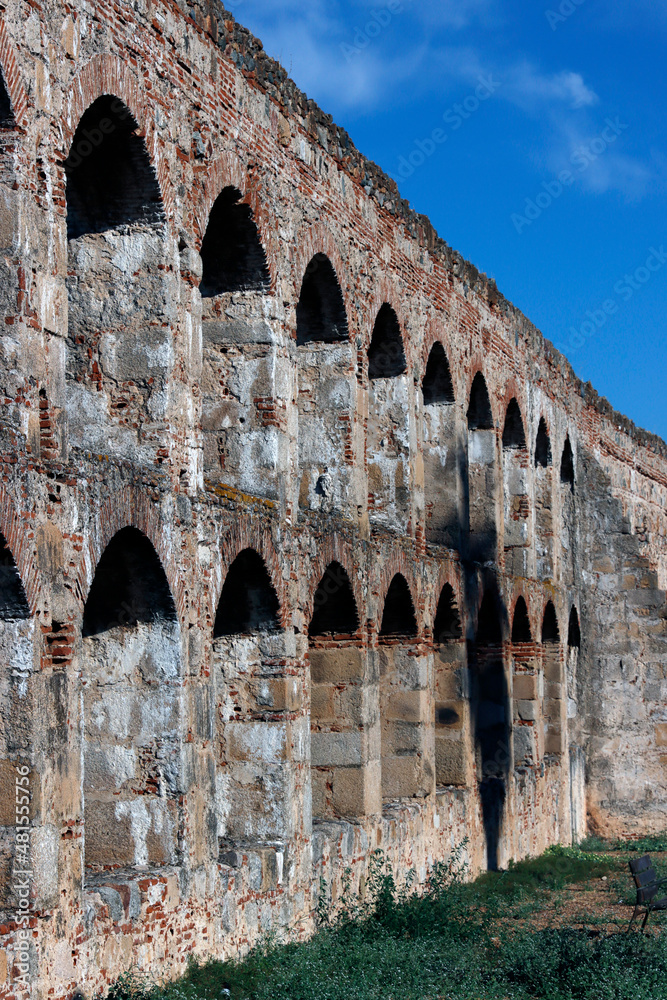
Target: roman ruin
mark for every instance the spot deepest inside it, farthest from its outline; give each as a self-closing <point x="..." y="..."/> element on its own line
<point x="311" y="543"/>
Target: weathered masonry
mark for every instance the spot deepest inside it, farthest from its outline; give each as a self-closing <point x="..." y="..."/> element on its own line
<point x="310" y="543"/>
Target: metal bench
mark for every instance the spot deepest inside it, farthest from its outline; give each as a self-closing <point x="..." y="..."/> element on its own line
<point x="648" y="886"/>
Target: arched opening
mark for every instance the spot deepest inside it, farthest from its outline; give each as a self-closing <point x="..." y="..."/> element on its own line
<point x="490" y="704"/>
<point x="386" y="355"/>
<point x="447" y="625"/>
<point x="543" y="504"/>
<point x="437" y="387"/>
<point x="526" y="685"/>
<point x="542" y="446"/>
<point x="480" y="417"/>
<point x="7" y="120"/>
<point x="131" y="707"/>
<point x="482" y="482"/>
<point x="567" y="465"/>
<point x="248" y="602"/>
<point x="550" y="629"/>
<point x="13" y="601"/>
<point x="406" y="770"/>
<point x="554" y="705"/>
<point x="451" y="708"/>
<point x="388" y="441"/>
<point x="339" y="751"/>
<point x="516" y="496"/>
<point x="253" y="692"/>
<point x="573" y="631"/>
<point x="320" y="312"/>
<point x="244" y="372"/>
<point x="521" y="623"/>
<point x="572" y="666"/>
<point x="326" y="393"/>
<point x="441" y="452"/>
<point x="567" y="515"/>
<point x="111" y="182"/>
<point x="120" y="322"/>
<point x="334" y="607"/>
<point x="233" y="258"/>
<point x="398" y="615"/>
<point x="16" y="706"/>
<point x="514" y="435"/>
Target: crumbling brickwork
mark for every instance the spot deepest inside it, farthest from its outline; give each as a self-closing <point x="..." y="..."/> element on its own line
<point x="310" y="543"/>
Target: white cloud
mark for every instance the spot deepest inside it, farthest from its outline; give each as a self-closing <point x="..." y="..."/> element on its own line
<point x="531" y="90"/>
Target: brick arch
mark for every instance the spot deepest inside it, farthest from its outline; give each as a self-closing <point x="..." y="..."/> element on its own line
<point x="329" y="550"/>
<point x="476" y="367"/>
<point x="13" y="79"/>
<point x="530" y="608"/>
<point x="506" y="617"/>
<point x="248" y="535"/>
<point x="130" y="508"/>
<point x="398" y="562"/>
<point x="19" y="538"/>
<point x="317" y="238"/>
<point x="559" y="618"/>
<point x="383" y="290"/>
<point x="447" y="574"/>
<point x="228" y="170"/>
<point x="515" y="391"/>
<point x="107" y="74"/>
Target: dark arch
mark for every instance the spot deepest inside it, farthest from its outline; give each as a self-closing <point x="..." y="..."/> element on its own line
<point x="573" y="630"/>
<point x="447" y="624"/>
<point x="110" y="179"/>
<point x="542" y="445"/>
<point x="489" y="622"/>
<point x="567" y="465"/>
<point x="514" y="435"/>
<point x="13" y="600"/>
<point x="480" y="417"/>
<point x="248" y="602"/>
<point x="437" y="386"/>
<point x="7" y="120"/>
<point x="550" y="629"/>
<point x="233" y="258"/>
<point x="398" y="616"/>
<point x="129" y="586"/>
<point x="334" y="607"/>
<point x="386" y="356"/>
<point x="521" y="631"/>
<point x="320" y="313"/>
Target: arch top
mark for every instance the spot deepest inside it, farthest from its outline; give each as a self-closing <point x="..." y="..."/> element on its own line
<point x="108" y="75"/>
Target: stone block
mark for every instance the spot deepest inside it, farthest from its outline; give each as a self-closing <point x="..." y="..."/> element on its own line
<point x="528" y="711"/>
<point x="451" y="762"/>
<point x="336" y="749"/>
<point x="337" y="665"/>
<point x="524" y="686"/>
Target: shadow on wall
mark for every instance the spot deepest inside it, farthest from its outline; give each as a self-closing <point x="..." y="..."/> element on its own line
<point x="482" y="475"/>
<point x="490" y="708"/>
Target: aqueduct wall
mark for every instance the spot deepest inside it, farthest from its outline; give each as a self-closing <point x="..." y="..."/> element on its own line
<point x="311" y="544"/>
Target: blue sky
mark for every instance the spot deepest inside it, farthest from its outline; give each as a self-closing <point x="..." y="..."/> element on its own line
<point x="533" y="136"/>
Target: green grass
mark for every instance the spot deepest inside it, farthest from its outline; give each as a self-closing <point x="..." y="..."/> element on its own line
<point x="457" y="941"/>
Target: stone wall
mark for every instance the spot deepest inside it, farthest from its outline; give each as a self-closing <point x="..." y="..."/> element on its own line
<point x="310" y="543"/>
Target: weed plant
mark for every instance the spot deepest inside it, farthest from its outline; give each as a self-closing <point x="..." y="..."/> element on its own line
<point x="453" y="940"/>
